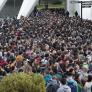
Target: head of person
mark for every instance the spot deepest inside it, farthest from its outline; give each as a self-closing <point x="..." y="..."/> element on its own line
<point x="89" y="78"/>
<point x="63" y="81"/>
<point x="71" y="72"/>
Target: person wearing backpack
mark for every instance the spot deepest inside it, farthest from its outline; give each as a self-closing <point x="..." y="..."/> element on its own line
<point x="71" y="82"/>
<point x="53" y="85"/>
<point x="64" y="87"/>
<point x="72" y="85"/>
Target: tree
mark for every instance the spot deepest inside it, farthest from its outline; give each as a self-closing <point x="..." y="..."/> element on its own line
<point x="22" y="82"/>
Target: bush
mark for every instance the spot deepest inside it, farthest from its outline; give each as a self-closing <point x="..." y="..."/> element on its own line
<point x="21" y="82"/>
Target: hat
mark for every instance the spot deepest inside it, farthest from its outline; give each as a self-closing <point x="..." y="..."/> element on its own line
<point x="19" y="58"/>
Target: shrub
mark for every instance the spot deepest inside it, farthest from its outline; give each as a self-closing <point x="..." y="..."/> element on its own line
<point x="22" y="82"/>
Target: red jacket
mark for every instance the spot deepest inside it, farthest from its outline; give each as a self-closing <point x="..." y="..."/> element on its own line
<point x="3" y="63"/>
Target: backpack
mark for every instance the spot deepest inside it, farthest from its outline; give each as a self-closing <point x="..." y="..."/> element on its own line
<point x="79" y="88"/>
<point x="52" y="87"/>
<point x="72" y="86"/>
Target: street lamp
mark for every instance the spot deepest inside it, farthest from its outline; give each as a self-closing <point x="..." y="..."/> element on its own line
<point x="46" y="4"/>
<point x="14" y="4"/>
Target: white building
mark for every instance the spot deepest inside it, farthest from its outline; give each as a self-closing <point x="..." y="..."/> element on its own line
<point x="72" y="7"/>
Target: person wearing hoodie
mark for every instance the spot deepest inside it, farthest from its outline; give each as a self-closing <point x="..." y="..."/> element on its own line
<point x="64" y="87"/>
<point x="2" y="62"/>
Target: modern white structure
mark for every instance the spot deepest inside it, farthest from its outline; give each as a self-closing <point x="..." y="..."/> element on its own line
<point x="2" y="3"/>
<point x="91" y="12"/>
<point x="72" y="7"/>
<point x="27" y="7"/>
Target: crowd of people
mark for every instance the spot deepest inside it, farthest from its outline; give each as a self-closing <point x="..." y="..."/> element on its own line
<point x="50" y="43"/>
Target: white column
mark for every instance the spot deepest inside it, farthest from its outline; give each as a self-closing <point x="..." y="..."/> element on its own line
<point x="73" y="7"/>
<point x="91" y="12"/>
<point x="27" y="7"/>
<point x="86" y="12"/>
<point x="70" y="7"/>
<point x="77" y="7"/>
<point x="2" y="3"/>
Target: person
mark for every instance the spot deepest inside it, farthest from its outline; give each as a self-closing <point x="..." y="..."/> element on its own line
<point x="71" y="82"/>
<point x="64" y="87"/>
<point x="19" y="60"/>
<point x="67" y="13"/>
<point x="88" y="84"/>
<point x="53" y="85"/>
<point x="76" y="14"/>
<point x="2" y="72"/>
<point x="35" y="11"/>
<point x="2" y="62"/>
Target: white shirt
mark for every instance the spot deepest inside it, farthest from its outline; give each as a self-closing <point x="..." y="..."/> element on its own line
<point x="89" y="57"/>
<point x="88" y="86"/>
<point x="44" y="61"/>
<point x="1" y="53"/>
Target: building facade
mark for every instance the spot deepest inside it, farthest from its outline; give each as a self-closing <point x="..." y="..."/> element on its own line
<point x="72" y="7"/>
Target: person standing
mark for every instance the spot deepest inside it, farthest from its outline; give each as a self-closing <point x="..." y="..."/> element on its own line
<point x="88" y="84"/>
<point x="64" y="87"/>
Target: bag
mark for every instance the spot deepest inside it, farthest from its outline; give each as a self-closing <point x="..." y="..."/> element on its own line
<point x="52" y="87"/>
<point x="72" y="86"/>
<point x="79" y="88"/>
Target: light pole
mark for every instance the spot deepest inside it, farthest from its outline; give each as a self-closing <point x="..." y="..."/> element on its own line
<point x="46" y="4"/>
<point x="39" y="2"/>
<point x="14" y="4"/>
<point x="66" y="5"/>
